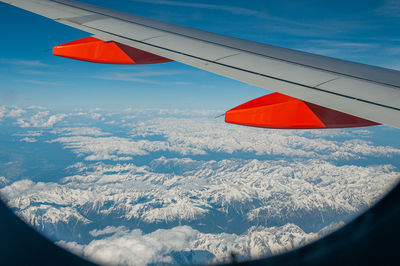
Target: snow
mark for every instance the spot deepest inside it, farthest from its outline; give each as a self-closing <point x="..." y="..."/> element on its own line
<point x="185" y="188"/>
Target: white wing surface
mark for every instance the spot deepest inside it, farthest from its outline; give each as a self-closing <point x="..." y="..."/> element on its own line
<point x="364" y="91"/>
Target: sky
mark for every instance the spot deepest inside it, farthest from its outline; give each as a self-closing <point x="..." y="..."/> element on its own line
<point x="361" y="31"/>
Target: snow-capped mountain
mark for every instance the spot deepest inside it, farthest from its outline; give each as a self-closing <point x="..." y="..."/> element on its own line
<point x="148" y="186"/>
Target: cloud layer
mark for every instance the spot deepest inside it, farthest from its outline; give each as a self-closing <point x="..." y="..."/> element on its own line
<point x="151" y="186"/>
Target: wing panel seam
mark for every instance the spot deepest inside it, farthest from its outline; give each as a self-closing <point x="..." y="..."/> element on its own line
<point x="322" y="83"/>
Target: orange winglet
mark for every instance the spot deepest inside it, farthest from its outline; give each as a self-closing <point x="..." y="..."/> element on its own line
<point x="276" y="110"/>
<point x="97" y="51"/>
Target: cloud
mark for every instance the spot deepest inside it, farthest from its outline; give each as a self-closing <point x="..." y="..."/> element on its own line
<point x="29" y="133"/>
<point x="127" y="77"/>
<point x="198" y="136"/>
<point x="107" y="148"/>
<point x="139" y="76"/>
<point x="2" y="112"/>
<point x="51" y="120"/>
<point x="250" y="191"/>
<point x="30" y="140"/>
<point x="73" y="247"/>
<point x="76" y="131"/>
<point x="95" y="116"/>
<point x="226" y="8"/>
<point x="108" y="230"/>
<point x="341" y="44"/>
<point x="394" y="50"/>
<point x="196" y="133"/>
<point x="30" y="63"/>
<point x="41" y="119"/>
<point x="33" y="72"/>
<point x="42" y="82"/>
<point x="133" y="247"/>
<point x="22" y="123"/>
<point x="11" y="112"/>
<point x="23" y="63"/>
<point x="389" y="8"/>
<point x="272" y="23"/>
<point x="336" y="48"/>
<point x="3" y="181"/>
<point x="16" y="112"/>
<point x="36" y="107"/>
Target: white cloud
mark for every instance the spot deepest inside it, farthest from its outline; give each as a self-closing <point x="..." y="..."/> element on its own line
<point x="201" y="135"/>
<point x="108" y="230"/>
<point x="291" y="199"/>
<point x="22" y="123"/>
<point x="23" y="63"/>
<point x="343" y="44"/>
<point x="141" y="76"/>
<point x="136" y="248"/>
<point x="227" y="8"/>
<point x="33" y="72"/>
<point x="105" y="148"/>
<point x="389" y="8"/>
<point x="95" y="116"/>
<point x="17" y="112"/>
<point x="41" y="119"/>
<point x="27" y="139"/>
<point x="76" y="131"/>
<point x="272" y="23"/>
<point x="52" y="120"/>
<point x="11" y="112"/>
<point x="2" y="112"/>
<point x="43" y="82"/>
<point x="36" y="107"/>
<point x="74" y="247"/>
<point x="4" y="181"/>
<point x="29" y="133"/>
<point x="30" y="63"/>
<point x="197" y="136"/>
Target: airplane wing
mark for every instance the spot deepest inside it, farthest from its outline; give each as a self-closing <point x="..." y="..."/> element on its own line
<point x="353" y="93"/>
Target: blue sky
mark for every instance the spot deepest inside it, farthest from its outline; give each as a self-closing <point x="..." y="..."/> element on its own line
<point x="362" y="31"/>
